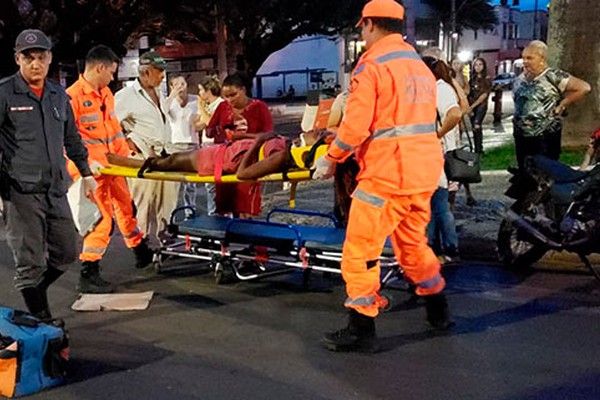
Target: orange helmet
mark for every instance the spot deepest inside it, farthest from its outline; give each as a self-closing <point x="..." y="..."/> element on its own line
<point x="381" y="9"/>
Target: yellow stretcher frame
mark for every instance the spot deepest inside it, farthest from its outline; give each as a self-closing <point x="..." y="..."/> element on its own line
<point x="127" y="172"/>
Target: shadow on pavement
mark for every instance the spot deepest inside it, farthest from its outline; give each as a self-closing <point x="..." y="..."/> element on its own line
<point x="101" y="352"/>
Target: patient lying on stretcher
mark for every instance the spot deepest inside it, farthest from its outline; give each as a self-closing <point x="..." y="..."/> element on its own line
<point x="248" y="159"/>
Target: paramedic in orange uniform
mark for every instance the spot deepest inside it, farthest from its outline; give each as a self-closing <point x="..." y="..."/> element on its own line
<point x="390" y="127"/>
<point x="93" y="106"/>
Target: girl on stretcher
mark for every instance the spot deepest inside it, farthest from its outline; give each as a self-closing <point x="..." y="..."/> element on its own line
<point x="248" y="159"/>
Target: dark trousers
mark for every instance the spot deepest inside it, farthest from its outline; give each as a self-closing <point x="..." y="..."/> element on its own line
<point x="40" y="232"/>
<point x="548" y="144"/>
<point x="477" y="123"/>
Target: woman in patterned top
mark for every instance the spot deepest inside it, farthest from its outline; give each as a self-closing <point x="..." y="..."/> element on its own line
<point x="541" y="96"/>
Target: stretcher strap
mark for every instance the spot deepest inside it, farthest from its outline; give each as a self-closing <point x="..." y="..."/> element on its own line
<point x="146" y="167"/>
<point x="219" y="160"/>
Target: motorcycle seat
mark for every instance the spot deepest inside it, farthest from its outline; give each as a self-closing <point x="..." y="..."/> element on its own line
<point x="559" y="172"/>
<point x="564" y="193"/>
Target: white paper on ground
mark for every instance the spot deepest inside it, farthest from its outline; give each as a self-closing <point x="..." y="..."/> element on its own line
<point x="113" y="301"/>
<point x="86" y="214"/>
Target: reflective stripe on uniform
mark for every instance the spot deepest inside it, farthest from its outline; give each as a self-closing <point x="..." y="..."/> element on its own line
<point x="430" y="283"/>
<point x="369" y="198"/>
<point x="90" y="118"/>
<point x="360" y="301"/>
<point x="104" y="141"/>
<point x="403" y="130"/>
<point x="342" y="145"/>
<point x="394" y="55"/>
<point x="93" y="250"/>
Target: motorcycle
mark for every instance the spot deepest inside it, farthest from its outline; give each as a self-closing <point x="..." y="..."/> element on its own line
<point x="555" y="208"/>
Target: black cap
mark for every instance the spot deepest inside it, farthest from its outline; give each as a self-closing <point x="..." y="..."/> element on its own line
<point x="153" y="58"/>
<point x="32" y="39"/>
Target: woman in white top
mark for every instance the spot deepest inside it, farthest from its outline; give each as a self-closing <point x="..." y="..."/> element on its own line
<point x="215" y="115"/>
<point x="182" y="111"/>
<point x="442" y="224"/>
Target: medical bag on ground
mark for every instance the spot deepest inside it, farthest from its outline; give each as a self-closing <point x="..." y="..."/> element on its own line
<point x="33" y="354"/>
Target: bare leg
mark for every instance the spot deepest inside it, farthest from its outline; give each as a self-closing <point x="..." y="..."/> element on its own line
<point x="470" y="199"/>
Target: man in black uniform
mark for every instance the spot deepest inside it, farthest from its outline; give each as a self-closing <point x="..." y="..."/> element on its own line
<point x="36" y="128"/>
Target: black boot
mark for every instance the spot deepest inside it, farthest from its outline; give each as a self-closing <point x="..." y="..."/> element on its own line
<point x="90" y="280"/>
<point x="50" y="276"/>
<point x="36" y="303"/>
<point x="143" y="254"/>
<point x="438" y="314"/>
<point x="359" y="335"/>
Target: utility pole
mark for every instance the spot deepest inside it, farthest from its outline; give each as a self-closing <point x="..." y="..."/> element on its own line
<point x="535" y="21"/>
<point x="221" y="44"/>
<point x="452" y="28"/>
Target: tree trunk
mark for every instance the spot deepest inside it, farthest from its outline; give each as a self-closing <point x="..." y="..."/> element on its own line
<point x="573" y="39"/>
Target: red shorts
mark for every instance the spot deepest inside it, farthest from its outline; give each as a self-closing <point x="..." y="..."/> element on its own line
<point x="239" y="197"/>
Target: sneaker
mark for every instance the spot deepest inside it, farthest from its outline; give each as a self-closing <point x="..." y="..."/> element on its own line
<point x="451" y="261"/>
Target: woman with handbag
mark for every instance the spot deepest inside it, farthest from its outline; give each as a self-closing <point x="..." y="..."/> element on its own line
<point x="442" y="225"/>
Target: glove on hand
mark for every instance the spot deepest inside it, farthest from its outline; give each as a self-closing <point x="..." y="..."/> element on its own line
<point x="89" y="186"/>
<point x="95" y="167"/>
<point x="323" y="168"/>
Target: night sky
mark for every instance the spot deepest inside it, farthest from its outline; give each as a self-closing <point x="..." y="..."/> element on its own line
<point x="526" y="4"/>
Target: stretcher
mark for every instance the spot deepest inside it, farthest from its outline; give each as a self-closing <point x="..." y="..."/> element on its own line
<point x="251" y="249"/>
<point x="303" y="158"/>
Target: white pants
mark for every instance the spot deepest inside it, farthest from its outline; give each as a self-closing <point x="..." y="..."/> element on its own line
<point x="154" y="200"/>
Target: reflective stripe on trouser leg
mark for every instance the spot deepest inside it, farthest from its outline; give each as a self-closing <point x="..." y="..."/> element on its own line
<point x="418" y="261"/>
<point x="365" y="237"/>
<point x="96" y="242"/>
<point x="123" y="211"/>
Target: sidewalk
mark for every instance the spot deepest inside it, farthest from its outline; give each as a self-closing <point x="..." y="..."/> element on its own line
<point x="287" y="118"/>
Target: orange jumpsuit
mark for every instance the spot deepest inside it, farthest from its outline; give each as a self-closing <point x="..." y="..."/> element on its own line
<point x="101" y="133"/>
<point x="390" y="126"/>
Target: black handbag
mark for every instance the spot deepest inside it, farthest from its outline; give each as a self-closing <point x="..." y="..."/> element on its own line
<point x="463" y="164"/>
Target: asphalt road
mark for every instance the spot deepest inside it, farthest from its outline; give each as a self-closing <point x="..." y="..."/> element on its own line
<point x="516" y="337"/>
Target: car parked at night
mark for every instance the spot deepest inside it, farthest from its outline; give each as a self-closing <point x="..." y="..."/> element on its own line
<point x="503" y="81"/>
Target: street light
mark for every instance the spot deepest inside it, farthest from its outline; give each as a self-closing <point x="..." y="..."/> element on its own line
<point x="465" y="56"/>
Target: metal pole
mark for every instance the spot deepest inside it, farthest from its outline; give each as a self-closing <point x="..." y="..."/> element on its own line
<point x="535" y="20"/>
<point x="452" y="27"/>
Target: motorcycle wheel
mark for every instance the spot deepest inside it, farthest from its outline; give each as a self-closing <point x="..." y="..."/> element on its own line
<point x="514" y="251"/>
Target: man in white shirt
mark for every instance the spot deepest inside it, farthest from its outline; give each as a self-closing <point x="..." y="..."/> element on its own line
<point x="142" y="110"/>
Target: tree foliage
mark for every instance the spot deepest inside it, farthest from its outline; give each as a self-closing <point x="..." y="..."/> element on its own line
<point x="258" y="27"/>
<point x="267" y="26"/>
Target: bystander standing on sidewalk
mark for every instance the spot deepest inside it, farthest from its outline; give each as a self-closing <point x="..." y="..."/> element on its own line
<point x="480" y="86"/>
<point x="142" y="111"/>
<point x="214" y="117"/>
<point x="182" y="109"/>
<point x="542" y="95"/>
<point x="442" y="228"/>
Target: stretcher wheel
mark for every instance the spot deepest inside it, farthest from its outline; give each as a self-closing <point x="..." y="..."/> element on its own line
<point x="158" y="262"/>
<point x="390" y="301"/>
<point x="224" y="272"/>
